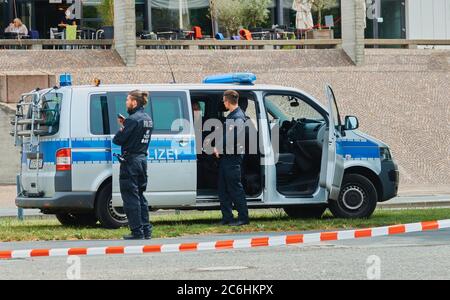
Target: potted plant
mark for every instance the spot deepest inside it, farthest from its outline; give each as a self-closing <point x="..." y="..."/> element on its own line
<point x="319" y="6"/>
<point x="235" y="14"/>
<point x="107" y="14"/>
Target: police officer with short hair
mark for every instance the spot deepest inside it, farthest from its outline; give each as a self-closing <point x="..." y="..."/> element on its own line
<point x="134" y="138"/>
<point x="231" y="189"/>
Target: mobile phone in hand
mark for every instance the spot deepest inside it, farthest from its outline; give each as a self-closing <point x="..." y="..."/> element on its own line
<point x="120" y="116"/>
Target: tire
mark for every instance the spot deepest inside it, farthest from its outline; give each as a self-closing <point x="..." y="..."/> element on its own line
<point x="109" y="216"/>
<point x="305" y="212"/>
<point x="358" y="198"/>
<point x="77" y="219"/>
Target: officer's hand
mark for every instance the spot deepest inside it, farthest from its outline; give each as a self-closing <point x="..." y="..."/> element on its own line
<point x="121" y="121"/>
<point x="216" y="153"/>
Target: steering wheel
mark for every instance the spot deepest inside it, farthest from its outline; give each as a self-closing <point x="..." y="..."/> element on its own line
<point x="295" y="133"/>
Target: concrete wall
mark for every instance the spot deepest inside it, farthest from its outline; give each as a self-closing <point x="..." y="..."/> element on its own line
<point x="14" y="84"/>
<point x="428" y="19"/>
<point x="353" y="24"/>
<point x="125" y="30"/>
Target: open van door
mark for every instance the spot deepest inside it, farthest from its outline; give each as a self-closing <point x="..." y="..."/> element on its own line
<point x="172" y="160"/>
<point x="333" y="161"/>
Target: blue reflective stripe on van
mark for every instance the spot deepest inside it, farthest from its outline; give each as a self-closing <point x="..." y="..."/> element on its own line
<point x="160" y="150"/>
<point x="166" y="150"/>
<point x="358" y="149"/>
<point x="49" y="148"/>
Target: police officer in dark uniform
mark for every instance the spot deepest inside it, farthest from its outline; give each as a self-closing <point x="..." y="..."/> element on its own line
<point x="134" y="137"/>
<point x="231" y="190"/>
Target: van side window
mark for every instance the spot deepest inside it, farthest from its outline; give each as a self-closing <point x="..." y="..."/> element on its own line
<point x="167" y="109"/>
<point x="99" y="115"/>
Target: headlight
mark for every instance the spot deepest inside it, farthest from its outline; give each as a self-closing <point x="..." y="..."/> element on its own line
<point x="385" y="154"/>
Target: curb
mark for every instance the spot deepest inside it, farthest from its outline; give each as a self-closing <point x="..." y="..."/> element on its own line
<point x="232" y="244"/>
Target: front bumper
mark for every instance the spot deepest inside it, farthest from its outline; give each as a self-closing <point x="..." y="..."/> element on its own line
<point x="390" y="180"/>
<point x="61" y="202"/>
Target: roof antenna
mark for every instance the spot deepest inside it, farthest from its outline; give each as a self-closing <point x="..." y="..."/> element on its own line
<point x="170" y="66"/>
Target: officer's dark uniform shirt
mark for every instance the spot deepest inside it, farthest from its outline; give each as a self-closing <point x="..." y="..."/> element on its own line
<point x="136" y="134"/>
<point x="234" y="127"/>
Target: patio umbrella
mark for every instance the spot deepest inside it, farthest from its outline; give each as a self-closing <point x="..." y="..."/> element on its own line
<point x="304" y="19"/>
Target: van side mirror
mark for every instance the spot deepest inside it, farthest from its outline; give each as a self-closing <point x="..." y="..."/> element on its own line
<point x="351" y="123"/>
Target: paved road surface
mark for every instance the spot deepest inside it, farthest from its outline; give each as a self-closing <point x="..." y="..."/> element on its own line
<point x="411" y="256"/>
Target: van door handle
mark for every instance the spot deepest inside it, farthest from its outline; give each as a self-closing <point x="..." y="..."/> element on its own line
<point x="183" y="143"/>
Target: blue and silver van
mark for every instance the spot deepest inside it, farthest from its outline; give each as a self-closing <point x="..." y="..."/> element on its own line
<point x="315" y="160"/>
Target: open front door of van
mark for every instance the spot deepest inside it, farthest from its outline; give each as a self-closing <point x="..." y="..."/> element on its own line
<point x="331" y="177"/>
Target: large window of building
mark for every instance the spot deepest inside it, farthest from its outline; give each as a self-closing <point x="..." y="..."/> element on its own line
<point x="3" y="16"/>
<point x="179" y="14"/>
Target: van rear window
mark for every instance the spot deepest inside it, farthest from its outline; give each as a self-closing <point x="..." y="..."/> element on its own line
<point x="167" y="110"/>
<point x="50" y="112"/>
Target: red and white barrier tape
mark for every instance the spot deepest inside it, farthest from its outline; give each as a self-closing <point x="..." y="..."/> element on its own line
<point x="232" y="244"/>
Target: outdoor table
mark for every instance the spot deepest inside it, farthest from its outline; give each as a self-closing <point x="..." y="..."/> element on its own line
<point x="170" y="34"/>
<point x="261" y="34"/>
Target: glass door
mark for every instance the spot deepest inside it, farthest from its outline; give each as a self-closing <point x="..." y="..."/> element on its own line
<point x="386" y="19"/>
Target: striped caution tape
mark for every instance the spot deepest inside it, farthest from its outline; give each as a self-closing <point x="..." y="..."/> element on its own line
<point x="232" y="244"/>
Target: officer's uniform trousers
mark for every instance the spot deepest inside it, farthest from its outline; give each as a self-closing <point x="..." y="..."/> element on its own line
<point x="133" y="184"/>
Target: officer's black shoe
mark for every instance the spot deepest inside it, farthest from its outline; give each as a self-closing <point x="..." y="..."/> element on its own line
<point x="225" y="223"/>
<point x="240" y="223"/>
<point x="147" y="236"/>
<point x="133" y="237"/>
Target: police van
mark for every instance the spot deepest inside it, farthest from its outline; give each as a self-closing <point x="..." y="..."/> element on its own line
<point x="69" y="169"/>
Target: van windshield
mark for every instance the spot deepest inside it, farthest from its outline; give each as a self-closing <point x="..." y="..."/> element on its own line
<point x="287" y="108"/>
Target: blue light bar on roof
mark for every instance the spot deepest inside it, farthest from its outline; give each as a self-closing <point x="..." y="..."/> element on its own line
<point x="65" y="79"/>
<point x="237" y="78"/>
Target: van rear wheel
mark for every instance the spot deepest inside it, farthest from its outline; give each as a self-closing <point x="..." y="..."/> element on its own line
<point x="77" y="219"/>
<point x="358" y="198"/>
<point x="305" y="212"/>
<point x="110" y="217"/>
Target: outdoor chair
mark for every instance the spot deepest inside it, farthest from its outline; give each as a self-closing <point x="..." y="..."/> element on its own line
<point x="245" y="35"/>
<point x="197" y="33"/>
<point x="100" y="34"/>
<point x="34" y="34"/>
<point x="220" y="37"/>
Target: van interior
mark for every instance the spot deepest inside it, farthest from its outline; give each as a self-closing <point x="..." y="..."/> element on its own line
<point x="300" y="145"/>
<point x="208" y="166"/>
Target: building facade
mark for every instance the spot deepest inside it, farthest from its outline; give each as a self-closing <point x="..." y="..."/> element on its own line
<point x="398" y="19"/>
<point x="151" y="15"/>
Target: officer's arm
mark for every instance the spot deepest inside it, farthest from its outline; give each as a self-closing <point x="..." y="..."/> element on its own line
<point x="124" y="134"/>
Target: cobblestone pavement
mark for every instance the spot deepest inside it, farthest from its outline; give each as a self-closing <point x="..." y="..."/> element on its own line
<point x="400" y="96"/>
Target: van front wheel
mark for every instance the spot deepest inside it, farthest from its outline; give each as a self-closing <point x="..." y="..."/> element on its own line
<point x="110" y="217"/>
<point x="358" y="198"/>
